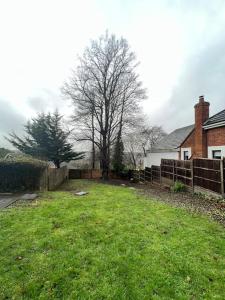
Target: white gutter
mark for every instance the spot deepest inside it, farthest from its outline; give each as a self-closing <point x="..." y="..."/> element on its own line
<point x="215" y="125"/>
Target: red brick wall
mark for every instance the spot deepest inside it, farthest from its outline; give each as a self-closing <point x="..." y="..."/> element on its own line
<point x="189" y="142"/>
<point x="216" y="136"/>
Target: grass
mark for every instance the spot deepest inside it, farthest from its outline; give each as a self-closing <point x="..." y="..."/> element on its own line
<point x="109" y="244"/>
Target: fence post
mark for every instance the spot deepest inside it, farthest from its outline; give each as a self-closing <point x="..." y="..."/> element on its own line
<point x="222" y="177"/>
<point x="160" y="175"/>
<point x="173" y="171"/>
<point x="192" y="175"/>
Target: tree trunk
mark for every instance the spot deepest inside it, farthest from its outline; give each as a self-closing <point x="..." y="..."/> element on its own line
<point x="93" y="156"/>
<point x="93" y="141"/>
<point x="57" y="164"/>
<point x="105" y="159"/>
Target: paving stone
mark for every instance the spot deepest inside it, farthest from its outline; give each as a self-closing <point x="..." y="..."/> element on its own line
<point x="29" y="196"/>
<point x="6" y="201"/>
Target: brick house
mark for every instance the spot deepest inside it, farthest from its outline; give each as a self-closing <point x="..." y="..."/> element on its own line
<point x="205" y="138"/>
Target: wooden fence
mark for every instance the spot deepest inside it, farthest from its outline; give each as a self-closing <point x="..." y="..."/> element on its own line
<point x="84" y="174"/>
<point x="223" y="176"/>
<point x="177" y="170"/>
<point x="53" y="178"/>
<point x="199" y="173"/>
<point x="156" y="174"/>
<point x="208" y="174"/>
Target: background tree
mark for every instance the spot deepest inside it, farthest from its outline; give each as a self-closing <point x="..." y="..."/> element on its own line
<point x="149" y="136"/>
<point x="118" y="157"/>
<point x="46" y="139"/>
<point x="106" y="91"/>
<point x="3" y="152"/>
<point x="142" y="138"/>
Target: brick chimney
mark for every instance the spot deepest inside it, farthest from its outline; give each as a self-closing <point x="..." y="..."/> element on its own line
<point x="201" y="115"/>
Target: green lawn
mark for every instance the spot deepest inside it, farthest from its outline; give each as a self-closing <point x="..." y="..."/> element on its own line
<point x="110" y="244"/>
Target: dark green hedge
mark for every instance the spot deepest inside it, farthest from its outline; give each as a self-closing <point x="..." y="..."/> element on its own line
<point x="20" y="174"/>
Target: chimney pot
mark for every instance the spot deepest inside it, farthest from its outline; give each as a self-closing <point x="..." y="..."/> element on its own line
<point x="201" y="99"/>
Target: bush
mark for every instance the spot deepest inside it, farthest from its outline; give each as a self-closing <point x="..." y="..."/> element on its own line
<point x="20" y="173"/>
<point x="178" y="187"/>
<point x="126" y="174"/>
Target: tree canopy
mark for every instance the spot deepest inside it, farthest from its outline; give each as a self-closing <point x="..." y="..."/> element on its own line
<point x="46" y="139"/>
<point x="106" y="91"/>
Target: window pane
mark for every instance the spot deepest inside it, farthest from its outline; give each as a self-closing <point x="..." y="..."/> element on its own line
<point x="216" y="154"/>
<point x="186" y="155"/>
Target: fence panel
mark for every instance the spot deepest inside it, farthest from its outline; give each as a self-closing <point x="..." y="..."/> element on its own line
<point x="167" y="168"/>
<point x="136" y="175"/>
<point x="142" y="175"/>
<point x="56" y="177"/>
<point x="148" y="174"/>
<point x="207" y="174"/>
<point x="74" y="174"/>
<point x="156" y="173"/>
<point x="183" y="172"/>
<point x="84" y="174"/>
<point x="223" y="177"/>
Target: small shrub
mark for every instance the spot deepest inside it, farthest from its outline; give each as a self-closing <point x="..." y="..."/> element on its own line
<point x="178" y="187"/>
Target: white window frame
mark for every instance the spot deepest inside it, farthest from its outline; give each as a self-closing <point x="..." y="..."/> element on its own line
<point x="185" y="150"/>
<point x="214" y="148"/>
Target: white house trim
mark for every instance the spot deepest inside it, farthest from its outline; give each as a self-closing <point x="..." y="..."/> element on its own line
<point x="211" y="148"/>
<point x="215" y="125"/>
<point x="183" y="150"/>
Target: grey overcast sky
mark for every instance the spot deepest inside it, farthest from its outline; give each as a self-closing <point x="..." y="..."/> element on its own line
<point x="179" y="43"/>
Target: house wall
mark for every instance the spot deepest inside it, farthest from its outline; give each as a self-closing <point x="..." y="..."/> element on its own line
<point x="155" y="158"/>
<point x="188" y="143"/>
<point x="216" y="136"/>
<point x="215" y="141"/>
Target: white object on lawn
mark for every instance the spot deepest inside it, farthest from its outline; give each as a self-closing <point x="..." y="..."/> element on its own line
<point x="81" y="193"/>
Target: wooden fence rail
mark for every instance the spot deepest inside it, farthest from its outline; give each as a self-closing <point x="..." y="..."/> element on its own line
<point x="208" y="174"/>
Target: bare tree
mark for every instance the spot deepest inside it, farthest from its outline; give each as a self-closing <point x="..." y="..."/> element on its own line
<point x="139" y="140"/>
<point x="106" y="91"/>
<point x="133" y="150"/>
<point x="149" y="136"/>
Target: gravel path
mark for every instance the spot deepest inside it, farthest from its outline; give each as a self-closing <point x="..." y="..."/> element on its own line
<point x="213" y="207"/>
